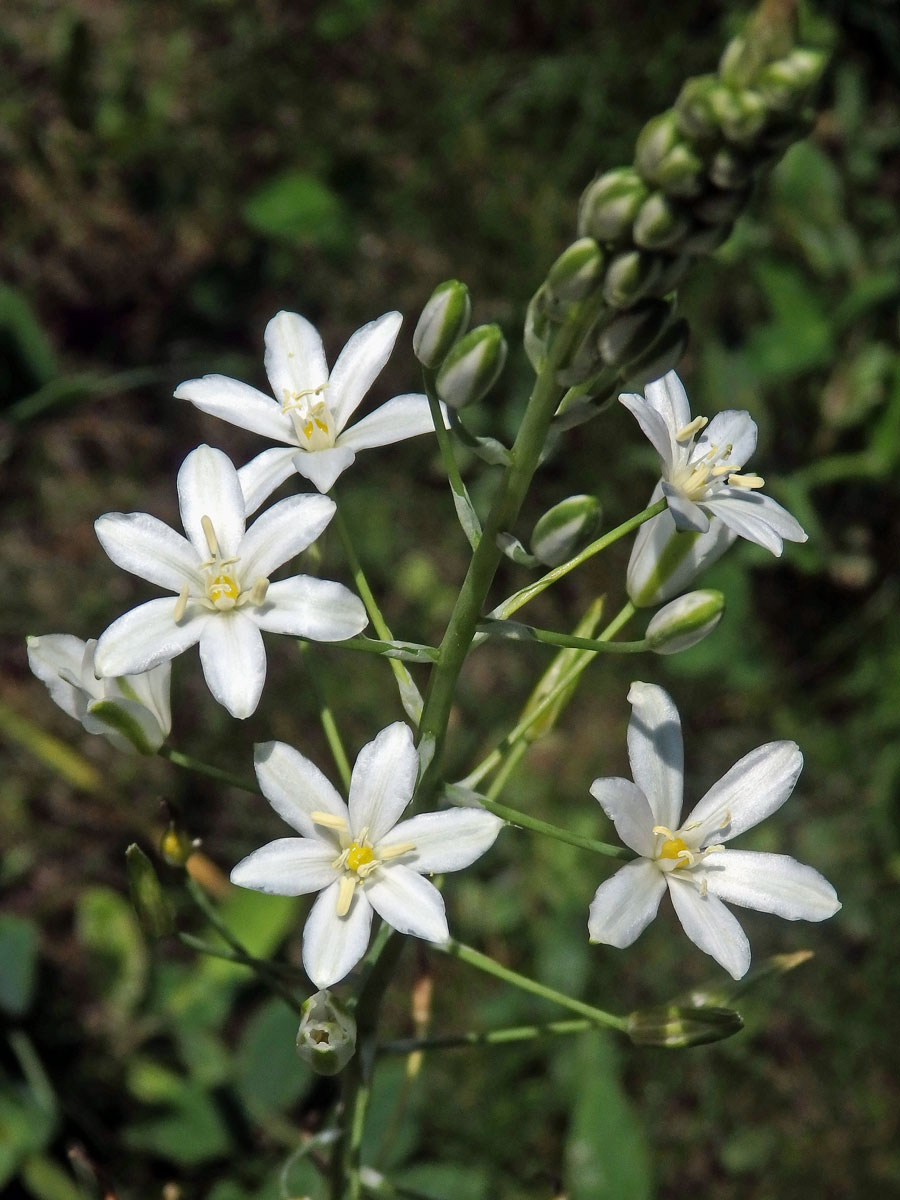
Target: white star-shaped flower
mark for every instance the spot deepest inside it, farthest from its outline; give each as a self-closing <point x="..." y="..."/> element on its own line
<point x="356" y="854"/>
<point x="219" y="575"/>
<point x="311" y="407"/>
<point x="689" y="857"/>
<point x="707" y="492"/>
<point x="133" y="712"/>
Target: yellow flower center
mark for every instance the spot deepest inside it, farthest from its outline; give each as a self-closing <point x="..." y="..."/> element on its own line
<point x="358" y="856"/>
<point x="675" y="848"/>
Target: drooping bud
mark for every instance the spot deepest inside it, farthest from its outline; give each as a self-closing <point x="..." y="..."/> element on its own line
<point x="444" y="320"/>
<point x="610" y="204"/>
<point x="326" y="1039"/>
<point x="684" y="622"/>
<point x="675" y="1028"/>
<point x="659" y="223"/>
<point x="664" y="355"/>
<point x="631" y="333"/>
<point x="629" y="277"/>
<point x="472" y="367"/>
<point x="576" y="272"/>
<point x="560" y="532"/>
<point x="147" y="896"/>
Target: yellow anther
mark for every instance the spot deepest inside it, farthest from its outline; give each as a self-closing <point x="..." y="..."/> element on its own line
<point x="181" y="602"/>
<point x="346" y="888"/>
<point x="358" y="856"/>
<point x="210" y="534"/>
<point x="257" y="593"/>
<point x="686" y="432"/>
<point x="329" y="820"/>
<point x="307" y="429"/>
<point x="746" y="481"/>
<point x="395" y="851"/>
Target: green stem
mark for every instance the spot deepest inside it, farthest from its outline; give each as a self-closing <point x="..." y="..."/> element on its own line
<point x="189" y="763"/>
<point x="483" y="963"/>
<point x="471" y="528"/>
<point x="486" y="1037"/>
<point x="514" y="631"/>
<point x="523" y="821"/>
<point x="260" y="967"/>
<point x="404" y="651"/>
<point x="519" y="599"/>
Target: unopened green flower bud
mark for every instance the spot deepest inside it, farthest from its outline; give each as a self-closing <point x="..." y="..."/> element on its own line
<point x="695" y="116"/>
<point x="741" y="114"/>
<point x="659" y="223"/>
<point x="664" y="355"/>
<point x="675" y="1028"/>
<point x="663" y="157"/>
<point x="585" y="362"/>
<point x="576" y="272"/>
<point x="563" y="528"/>
<point x="326" y="1039"/>
<point x="729" y="169"/>
<point x="785" y="82"/>
<point x="629" y="277"/>
<point x="633" y="332"/>
<point x="681" y="172"/>
<point x="538" y="327"/>
<point x="684" y="622"/>
<point x="444" y="320"/>
<point x="176" y="845"/>
<point x="472" y="367"/>
<point x="147" y="897"/>
<point x="610" y="204"/>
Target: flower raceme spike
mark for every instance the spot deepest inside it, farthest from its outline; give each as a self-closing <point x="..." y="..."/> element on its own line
<point x="132" y="712"/>
<point x="219" y="575"/>
<point x="357" y="855"/>
<point x="311" y="407"/>
<point x="690" y="859"/>
<point x="708" y="492"/>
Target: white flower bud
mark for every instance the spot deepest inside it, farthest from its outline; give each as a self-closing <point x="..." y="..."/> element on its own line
<point x="576" y="272"/>
<point x="682" y="623"/>
<point x="561" y="529"/>
<point x="444" y="320"/>
<point x="326" y="1039"/>
<point x="471" y="368"/>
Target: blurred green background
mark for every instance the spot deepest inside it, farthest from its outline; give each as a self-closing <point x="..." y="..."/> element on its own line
<point x="172" y="175"/>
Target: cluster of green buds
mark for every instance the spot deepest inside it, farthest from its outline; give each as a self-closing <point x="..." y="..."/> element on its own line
<point x="642" y="227"/>
<point x="467" y="364"/>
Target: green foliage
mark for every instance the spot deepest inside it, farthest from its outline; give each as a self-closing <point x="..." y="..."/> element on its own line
<point x="18" y="954"/>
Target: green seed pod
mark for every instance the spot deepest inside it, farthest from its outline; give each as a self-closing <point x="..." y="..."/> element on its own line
<point x="695" y="116"/>
<point x="326" y="1039"/>
<point x="663" y="356"/>
<point x="675" y="1027"/>
<point x="444" y="320"/>
<point x="609" y="205"/>
<point x="659" y="223"/>
<point x="741" y="114"/>
<point x="633" y="332"/>
<point x="684" y="622"/>
<point x="719" y="206"/>
<point x="728" y="169"/>
<point x="147" y="896"/>
<point x="630" y="276"/>
<point x="472" y="367"/>
<point x="565" y="527"/>
<point x="577" y="271"/>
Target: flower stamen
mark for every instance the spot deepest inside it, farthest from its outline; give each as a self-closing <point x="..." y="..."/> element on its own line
<point x="746" y="481"/>
<point x="686" y="432"/>
<point x="329" y="820"/>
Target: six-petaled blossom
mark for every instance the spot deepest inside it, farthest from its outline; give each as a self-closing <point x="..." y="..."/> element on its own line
<point x="357" y="855"/>
<point x="311" y="407"/>
<point x="710" y="498"/>
<point x="132" y="712"/>
<point x="219" y="575"/>
<point x="688" y="857"/>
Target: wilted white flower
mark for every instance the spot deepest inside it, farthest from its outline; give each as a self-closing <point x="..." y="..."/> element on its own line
<point x="220" y="576"/>
<point x="707" y="493"/>
<point x="689" y="857"/>
<point x="356" y="854"/>
<point x="132" y="711"/>
<point x="311" y="407"/>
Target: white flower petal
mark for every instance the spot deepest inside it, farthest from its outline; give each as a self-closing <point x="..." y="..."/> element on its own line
<point x="445" y="841"/>
<point x="710" y="926"/>
<point x="322" y="467"/>
<point x="408" y="902"/>
<point x="359" y="364"/>
<point x="239" y="404"/>
<point x="625" y="904"/>
<point x="52" y="654"/>
<point x="655" y="429"/>
<point x="333" y="945"/>
<point x="383" y="781"/>
<point x="153" y="690"/>
<point x="688" y="516"/>
<point x="295" y="357"/>
<point x="208" y="485"/>
<point x="403" y="417"/>
<point x="128" y="724"/>
<point x="262" y="475"/>
<point x="147" y="636"/>
<point x="319" y="609"/>
<point x="234" y="661"/>
<point x="287" y="867"/>
<point x="148" y="548"/>
<point x="626" y="806"/>
<point x="664" y="562"/>
<point x="281" y="532"/>
<point x="757" y="518"/>
<point x="668" y="397"/>
<point x="755" y="787"/>
<point x="296" y="788"/>
<point x="772" y="883"/>
<point x="733" y="427"/>
<point x="656" y="751"/>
